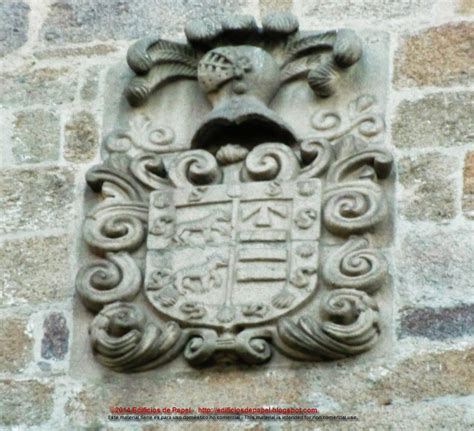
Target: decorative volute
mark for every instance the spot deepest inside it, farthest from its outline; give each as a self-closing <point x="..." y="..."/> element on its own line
<point x="257" y="236"/>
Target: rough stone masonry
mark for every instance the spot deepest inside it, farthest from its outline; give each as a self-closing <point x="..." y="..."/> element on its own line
<point x="55" y="56"/>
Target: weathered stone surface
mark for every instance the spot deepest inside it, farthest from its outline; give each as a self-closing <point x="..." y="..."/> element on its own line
<point x="84" y="409"/>
<point x="81" y="137"/>
<point x="36" y="136"/>
<point x="251" y="390"/>
<point x="427" y="376"/>
<point x="13" y="25"/>
<point x="76" y="51"/>
<point x="438" y="323"/>
<point x="86" y="20"/>
<point x="365" y="9"/>
<point x="269" y="6"/>
<point x="437" y="56"/>
<point x="435" y="267"/>
<point x="437" y="120"/>
<point x="16" y="344"/>
<point x="468" y="189"/>
<point x="48" y="85"/>
<point x="450" y="413"/>
<point x="465" y="7"/>
<point x="428" y="189"/>
<point x="90" y="406"/>
<point x="90" y="86"/>
<point x="55" y="342"/>
<point x="357" y="388"/>
<point x="35" y="270"/>
<point x="25" y="402"/>
<point x="34" y="199"/>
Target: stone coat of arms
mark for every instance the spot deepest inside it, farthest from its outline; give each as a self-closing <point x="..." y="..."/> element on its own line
<point x="249" y="225"/>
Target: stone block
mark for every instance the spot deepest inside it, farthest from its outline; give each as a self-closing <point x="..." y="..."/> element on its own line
<point x="428" y="186"/>
<point x="437" y="323"/>
<point x="81" y="137"/>
<point x="468" y="186"/>
<point x="87" y="20"/>
<point x="36" y="136"/>
<point x="438" y="56"/>
<point x="357" y="387"/>
<point x="437" y="120"/>
<point x="16" y="351"/>
<point x="36" y="199"/>
<point x="435" y="267"/>
<point x="55" y="342"/>
<point x="269" y="6"/>
<point x="35" y="270"/>
<point x="90" y="86"/>
<point x="13" y="25"/>
<point x="100" y="49"/>
<point x="465" y="7"/>
<point x="47" y="85"/>
<point x="364" y="9"/>
<point x="450" y="413"/>
<point x="85" y="408"/>
<point x="89" y="407"/>
<point x="25" y="403"/>
<point x="428" y="375"/>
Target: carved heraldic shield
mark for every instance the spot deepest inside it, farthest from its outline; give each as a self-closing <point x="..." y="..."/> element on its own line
<point x="240" y="234"/>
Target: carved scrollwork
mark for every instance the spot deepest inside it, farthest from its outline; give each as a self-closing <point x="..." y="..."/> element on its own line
<point x="142" y="134"/>
<point x="354" y="207"/>
<point x="378" y="159"/>
<point x="331" y="125"/>
<point x="119" y="141"/>
<point x="270" y="161"/>
<point x="123" y="340"/>
<point x="253" y="348"/>
<point x="114" y="183"/>
<point x="116" y="278"/>
<point x="197" y="167"/>
<point x="316" y="155"/>
<point x="150" y="170"/>
<point x="149" y="137"/>
<point x="348" y="326"/>
<point x="249" y="346"/>
<point x="116" y="226"/>
<point x="200" y="347"/>
<point x="353" y="201"/>
<point x="355" y="266"/>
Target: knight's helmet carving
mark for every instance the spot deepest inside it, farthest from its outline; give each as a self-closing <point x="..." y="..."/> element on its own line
<point x="240" y="67"/>
<point x="240" y="82"/>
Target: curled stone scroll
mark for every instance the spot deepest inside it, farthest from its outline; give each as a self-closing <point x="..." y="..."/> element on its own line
<point x="225" y="229"/>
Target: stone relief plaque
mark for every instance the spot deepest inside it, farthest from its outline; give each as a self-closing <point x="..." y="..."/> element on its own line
<point x="241" y="198"/>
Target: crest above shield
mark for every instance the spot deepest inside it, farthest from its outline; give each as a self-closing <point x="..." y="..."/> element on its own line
<point x="242" y="198"/>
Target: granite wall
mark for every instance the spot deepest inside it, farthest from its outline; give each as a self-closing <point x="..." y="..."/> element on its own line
<point x="54" y="57"/>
